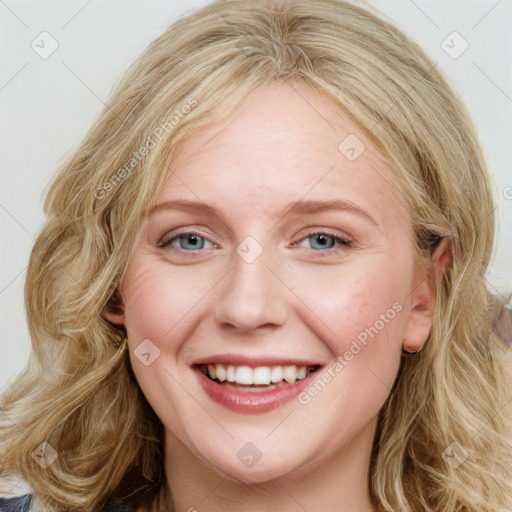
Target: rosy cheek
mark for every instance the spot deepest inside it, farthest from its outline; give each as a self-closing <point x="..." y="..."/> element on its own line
<point x="160" y="297"/>
<point x="349" y="298"/>
<point x="146" y="299"/>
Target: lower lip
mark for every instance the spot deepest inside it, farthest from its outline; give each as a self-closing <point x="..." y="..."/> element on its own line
<point x="252" y="402"/>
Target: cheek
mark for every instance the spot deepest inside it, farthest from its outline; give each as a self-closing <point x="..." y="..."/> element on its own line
<point x="158" y="304"/>
<point x="360" y="316"/>
<point x="146" y="299"/>
<point x="361" y="303"/>
<point x="157" y="297"/>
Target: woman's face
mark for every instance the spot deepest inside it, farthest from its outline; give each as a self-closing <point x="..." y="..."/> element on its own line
<point x="278" y="252"/>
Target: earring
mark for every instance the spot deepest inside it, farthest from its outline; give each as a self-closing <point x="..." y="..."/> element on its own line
<point x="408" y="352"/>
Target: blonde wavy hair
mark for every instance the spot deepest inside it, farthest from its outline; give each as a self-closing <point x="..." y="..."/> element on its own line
<point x="78" y="392"/>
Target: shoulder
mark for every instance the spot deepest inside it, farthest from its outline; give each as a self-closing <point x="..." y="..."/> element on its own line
<point x="116" y="506"/>
<point x="15" y="495"/>
<point x="18" y="496"/>
<point x="23" y="504"/>
<point x="18" y="504"/>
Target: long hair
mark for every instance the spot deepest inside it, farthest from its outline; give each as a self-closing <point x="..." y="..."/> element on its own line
<point x="78" y="393"/>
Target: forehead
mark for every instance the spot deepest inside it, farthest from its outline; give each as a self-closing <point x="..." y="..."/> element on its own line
<point x="281" y="144"/>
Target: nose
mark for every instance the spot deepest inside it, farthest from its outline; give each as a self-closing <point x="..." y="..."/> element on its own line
<point x="252" y="298"/>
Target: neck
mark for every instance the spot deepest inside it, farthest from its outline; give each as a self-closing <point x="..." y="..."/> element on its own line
<point x="338" y="482"/>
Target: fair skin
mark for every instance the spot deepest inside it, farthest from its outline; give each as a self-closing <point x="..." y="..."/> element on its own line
<point x="197" y="298"/>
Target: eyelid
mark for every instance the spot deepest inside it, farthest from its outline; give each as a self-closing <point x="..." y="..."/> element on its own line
<point x="327" y="232"/>
<point x="170" y="236"/>
<point x="342" y="239"/>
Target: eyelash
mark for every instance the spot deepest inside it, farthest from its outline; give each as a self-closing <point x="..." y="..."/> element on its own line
<point x="341" y="240"/>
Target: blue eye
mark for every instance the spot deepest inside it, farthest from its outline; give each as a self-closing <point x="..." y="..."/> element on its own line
<point x="326" y="241"/>
<point x="185" y="241"/>
<point x="322" y="241"/>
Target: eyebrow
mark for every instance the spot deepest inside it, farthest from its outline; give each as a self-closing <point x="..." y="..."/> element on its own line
<point x="301" y="206"/>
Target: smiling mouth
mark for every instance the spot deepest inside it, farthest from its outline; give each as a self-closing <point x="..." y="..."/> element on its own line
<point x="261" y="378"/>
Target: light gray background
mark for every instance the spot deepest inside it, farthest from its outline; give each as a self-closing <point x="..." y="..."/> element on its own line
<point x="46" y="106"/>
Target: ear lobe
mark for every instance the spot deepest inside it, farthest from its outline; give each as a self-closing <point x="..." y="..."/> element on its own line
<point x="114" y="311"/>
<point x="419" y="321"/>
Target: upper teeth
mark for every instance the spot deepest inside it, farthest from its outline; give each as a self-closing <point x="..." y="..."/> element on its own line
<point x="263" y="375"/>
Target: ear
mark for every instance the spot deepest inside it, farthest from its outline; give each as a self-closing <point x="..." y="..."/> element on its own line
<point x="114" y="310"/>
<point x="419" y="321"/>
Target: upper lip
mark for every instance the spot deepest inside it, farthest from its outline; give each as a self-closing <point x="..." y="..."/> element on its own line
<point x="254" y="361"/>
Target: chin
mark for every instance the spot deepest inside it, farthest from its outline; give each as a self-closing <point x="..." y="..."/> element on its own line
<point x="265" y="469"/>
